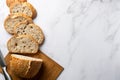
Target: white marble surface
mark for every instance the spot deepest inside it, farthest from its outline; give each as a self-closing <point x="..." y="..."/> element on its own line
<point x="81" y="35"/>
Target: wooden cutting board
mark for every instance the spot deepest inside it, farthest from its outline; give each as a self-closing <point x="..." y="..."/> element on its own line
<point x="50" y="70"/>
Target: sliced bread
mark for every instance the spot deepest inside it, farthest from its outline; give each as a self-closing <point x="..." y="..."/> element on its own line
<point x="24" y="8"/>
<point x="24" y="44"/>
<point x="24" y="28"/>
<point x="24" y="66"/>
<point x="10" y="2"/>
<point x="13" y="19"/>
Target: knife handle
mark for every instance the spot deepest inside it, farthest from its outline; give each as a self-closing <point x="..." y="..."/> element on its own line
<point x="6" y="75"/>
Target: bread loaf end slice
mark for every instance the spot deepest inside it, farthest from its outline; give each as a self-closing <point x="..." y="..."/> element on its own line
<point x="24" y="66"/>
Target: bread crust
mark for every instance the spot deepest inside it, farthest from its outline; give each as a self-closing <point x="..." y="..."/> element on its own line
<point x="11" y="45"/>
<point x="24" y="68"/>
<point x="15" y="16"/>
<point x="10" y="2"/>
<point x="33" y="10"/>
<point x="38" y="32"/>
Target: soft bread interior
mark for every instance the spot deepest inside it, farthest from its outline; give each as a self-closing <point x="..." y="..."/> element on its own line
<point x="11" y="22"/>
<point x="31" y="29"/>
<point x="21" y="8"/>
<point x="22" y="44"/>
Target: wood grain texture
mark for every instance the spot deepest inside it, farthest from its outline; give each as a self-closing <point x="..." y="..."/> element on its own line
<point x="50" y="70"/>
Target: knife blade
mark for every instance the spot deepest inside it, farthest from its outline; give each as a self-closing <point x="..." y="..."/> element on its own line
<point x="3" y="66"/>
<point x="2" y="61"/>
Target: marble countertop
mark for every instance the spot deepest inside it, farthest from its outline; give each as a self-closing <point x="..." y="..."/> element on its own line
<point x="81" y="35"/>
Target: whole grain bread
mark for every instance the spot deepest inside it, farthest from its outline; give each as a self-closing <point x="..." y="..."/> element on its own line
<point x="23" y="44"/>
<point x="24" y="66"/>
<point x="35" y="31"/>
<point x="24" y="8"/>
<point x="13" y="19"/>
<point x="10" y="2"/>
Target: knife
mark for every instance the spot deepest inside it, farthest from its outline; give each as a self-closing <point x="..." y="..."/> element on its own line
<point x="3" y="66"/>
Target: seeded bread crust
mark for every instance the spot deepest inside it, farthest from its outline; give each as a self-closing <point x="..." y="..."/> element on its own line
<point x="22" y="44"/>
<point x="24" y="8"/>
<point x="25" y="67"/>
<point x="14" y="19"/>
<point x="10" y="2"/>
<point x="35" y="31"/>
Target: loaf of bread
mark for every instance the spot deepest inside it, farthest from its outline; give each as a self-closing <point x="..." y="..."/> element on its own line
<point x="24" y="28"/>
<point x="24" y="44"/>
<point x="10" y="2"/>
<point x="24" y="8"/>
<point x="13" y="19"/>
<point x="24" y="66"/>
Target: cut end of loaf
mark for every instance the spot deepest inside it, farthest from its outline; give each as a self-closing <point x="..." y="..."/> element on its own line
<point x="26" y="58"/>
<point x="24" y="66"/>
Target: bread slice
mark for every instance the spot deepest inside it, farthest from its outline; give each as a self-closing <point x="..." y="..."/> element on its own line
<point x="10" y="2"/>
<point x="24" y="66"/>
<point x="24" y="28"/>
<point x="13" y="19"/>
<point x="24" y="8"/>
<point x="23" y="44"/>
